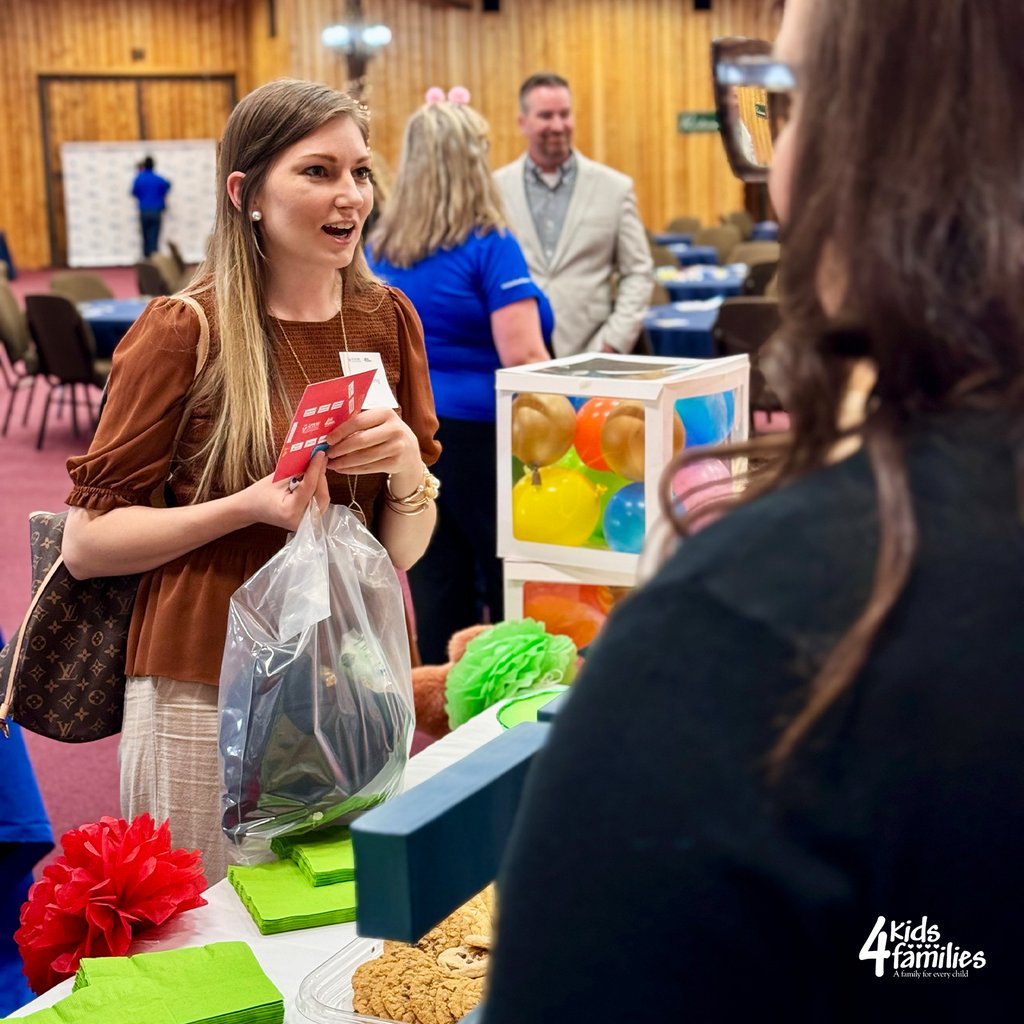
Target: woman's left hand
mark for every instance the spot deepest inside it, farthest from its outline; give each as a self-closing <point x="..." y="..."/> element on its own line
<point x="374" y="441"/>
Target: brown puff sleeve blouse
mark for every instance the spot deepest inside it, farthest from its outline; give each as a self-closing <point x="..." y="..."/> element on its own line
<point x="181" y="612"/>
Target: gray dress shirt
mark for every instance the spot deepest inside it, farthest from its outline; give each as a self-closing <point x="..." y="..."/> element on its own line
<point x="548" y="195"/>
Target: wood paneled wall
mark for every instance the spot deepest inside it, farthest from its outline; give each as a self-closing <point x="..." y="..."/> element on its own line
<point x="97" y="37"/>
<point x="633" y="64"/>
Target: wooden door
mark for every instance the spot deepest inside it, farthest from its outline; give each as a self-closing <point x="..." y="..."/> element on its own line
<point x="185" y="108"/>
<point x="124" y="109"/>
<point x="81" y="110"/>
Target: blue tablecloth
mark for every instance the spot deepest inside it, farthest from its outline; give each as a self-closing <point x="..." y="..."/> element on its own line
<point x="110" y="319"/>
<point x="672" y="238"/>
<point x="5" y="257"/>
<point x="704" y="282"/>
<point x="765" y="231"/>
<point x="682" y="328"/>
<point x="25" y="838"/>
<point x="693" y="255"/>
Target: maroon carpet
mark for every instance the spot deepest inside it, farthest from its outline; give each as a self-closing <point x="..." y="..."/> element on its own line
<point x="78" y="782"/>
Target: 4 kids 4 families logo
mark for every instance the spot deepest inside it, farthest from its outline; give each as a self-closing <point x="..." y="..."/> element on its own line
<point x="917" y="951"/>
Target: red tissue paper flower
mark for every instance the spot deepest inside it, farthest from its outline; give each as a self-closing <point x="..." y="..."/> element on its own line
<point x="112" y="879"/>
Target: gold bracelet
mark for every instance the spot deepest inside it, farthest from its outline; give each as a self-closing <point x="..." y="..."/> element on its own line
<point x="413" y="504"/>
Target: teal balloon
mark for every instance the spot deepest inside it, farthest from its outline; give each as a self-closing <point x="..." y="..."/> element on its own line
<point x="625" y="520"/>
<point x="707" y="418"/>
<point x="518" y="469"/>
<point x="730" y="408"/>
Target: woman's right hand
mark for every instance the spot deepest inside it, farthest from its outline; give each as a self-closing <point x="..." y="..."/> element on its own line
<point x="284" y="503"/>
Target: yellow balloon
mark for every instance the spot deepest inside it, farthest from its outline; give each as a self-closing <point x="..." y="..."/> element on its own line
<point x="555" y="506"/>
<point x="622" y="439"/>
<point x="543" y="428"/>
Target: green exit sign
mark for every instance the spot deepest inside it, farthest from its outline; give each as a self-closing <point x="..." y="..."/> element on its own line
<point x="692" y="121"/>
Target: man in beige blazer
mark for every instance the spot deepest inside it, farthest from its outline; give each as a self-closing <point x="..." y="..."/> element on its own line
<point x="579" y="228"/>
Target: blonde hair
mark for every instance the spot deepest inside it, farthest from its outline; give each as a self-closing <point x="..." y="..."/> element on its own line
<point x="238" y="382"/>
<point x="444" y="189"/>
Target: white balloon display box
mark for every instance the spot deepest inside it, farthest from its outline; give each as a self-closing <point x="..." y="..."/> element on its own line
<point x="583" y="442"/>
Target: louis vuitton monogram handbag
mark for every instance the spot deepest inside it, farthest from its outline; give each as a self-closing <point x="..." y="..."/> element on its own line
<point x="64" y="668"/>
<point x="62" y="673"/>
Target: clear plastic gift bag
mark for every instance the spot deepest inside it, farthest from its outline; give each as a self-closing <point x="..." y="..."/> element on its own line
<point x="316" y="707"/>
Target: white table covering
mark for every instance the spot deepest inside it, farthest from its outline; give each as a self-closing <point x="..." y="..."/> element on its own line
<point x="289" y="957"/>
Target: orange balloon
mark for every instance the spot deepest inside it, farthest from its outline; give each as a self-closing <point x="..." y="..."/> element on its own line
<point x="597" y="596"/>
<point x="579" y="622"/>
<point x="543" y="427"/>
<point x="589" y="421"/>
<point x="622" y="439"/>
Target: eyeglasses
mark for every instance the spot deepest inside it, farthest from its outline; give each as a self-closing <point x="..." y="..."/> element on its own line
<point x="752" y="99"/>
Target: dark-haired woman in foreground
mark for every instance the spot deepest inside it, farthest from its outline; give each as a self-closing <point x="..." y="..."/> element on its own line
<point x="789" y="784"/>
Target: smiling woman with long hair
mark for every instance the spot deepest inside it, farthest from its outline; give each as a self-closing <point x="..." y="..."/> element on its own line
<point x="284" y="290"/>
<point x="790" y="772"/>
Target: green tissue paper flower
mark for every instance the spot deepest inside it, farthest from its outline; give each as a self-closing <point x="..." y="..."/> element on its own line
<point x="506" y="660"/>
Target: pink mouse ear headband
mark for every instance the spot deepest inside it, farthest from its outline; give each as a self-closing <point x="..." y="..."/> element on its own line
<point x="457" y="94"/>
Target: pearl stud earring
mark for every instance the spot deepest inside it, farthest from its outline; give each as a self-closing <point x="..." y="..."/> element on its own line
<point x="256" y="215"/>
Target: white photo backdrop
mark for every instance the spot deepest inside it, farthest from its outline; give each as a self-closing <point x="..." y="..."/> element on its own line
<point x="102" y="216"/>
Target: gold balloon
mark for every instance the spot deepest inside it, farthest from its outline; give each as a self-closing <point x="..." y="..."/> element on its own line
<point x="543" y="428"/>
<point x="622" y="439"/>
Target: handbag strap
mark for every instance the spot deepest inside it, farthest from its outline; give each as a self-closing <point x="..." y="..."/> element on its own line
<point x="202" y="354"/>
<point x="5" y="705"/>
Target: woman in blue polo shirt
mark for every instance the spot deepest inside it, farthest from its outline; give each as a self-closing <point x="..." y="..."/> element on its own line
<point x="443" y="240"/>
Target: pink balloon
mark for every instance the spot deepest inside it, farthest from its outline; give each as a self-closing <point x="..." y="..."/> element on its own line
<point x="713" y="478"/>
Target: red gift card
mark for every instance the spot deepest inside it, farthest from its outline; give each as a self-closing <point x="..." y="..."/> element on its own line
<point x="322" y="407"/>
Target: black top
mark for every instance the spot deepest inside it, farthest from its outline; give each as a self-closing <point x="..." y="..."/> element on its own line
<point x="654" y="874"/>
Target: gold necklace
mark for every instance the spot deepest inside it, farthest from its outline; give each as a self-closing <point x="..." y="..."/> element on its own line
<point x="353" y="505"/>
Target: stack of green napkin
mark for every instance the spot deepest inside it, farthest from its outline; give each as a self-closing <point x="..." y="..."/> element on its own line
<point x="281" y="899"/>
<point x="324" y="857"/>
<point x="221" y="983"/>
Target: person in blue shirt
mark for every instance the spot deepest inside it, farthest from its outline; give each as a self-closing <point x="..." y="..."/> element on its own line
<point x="151" y="192"/>
<point x="443" y="240"/>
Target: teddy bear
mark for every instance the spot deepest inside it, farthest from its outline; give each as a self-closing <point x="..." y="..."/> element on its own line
<point x="428" y="688"/>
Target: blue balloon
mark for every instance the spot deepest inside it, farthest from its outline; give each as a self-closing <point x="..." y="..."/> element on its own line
<point x="577" y="401"/>
<point x="730" y="408"/>
<point x="707" y="418"/>
<point x="625" y="521"/>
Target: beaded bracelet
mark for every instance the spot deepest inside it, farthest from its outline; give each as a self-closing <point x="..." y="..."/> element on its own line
<point x="413" y="504"/>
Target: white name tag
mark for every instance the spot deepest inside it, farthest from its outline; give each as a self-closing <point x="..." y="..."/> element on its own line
<point x="380" y="395"/>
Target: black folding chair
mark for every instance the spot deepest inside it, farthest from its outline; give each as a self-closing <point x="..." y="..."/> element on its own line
<point x="759" y="277"/>
<point x="743" y="326"/>
<point x="19" y="365"/>
<point x="66" y="355"/>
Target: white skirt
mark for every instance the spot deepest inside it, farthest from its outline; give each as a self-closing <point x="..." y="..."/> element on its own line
<point x="169" y="765"/>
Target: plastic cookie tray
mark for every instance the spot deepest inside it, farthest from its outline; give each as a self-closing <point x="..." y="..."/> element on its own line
<point x="325" y="996"/>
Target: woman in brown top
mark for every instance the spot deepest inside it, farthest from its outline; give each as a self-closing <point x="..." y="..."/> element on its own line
<point x="285" y="290"/>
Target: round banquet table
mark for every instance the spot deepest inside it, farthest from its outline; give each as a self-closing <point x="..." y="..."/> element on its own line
<point x="25" y="838"/>
<point x="704" y="282"/>
<point x="110" y="319"/>
<point x="683" y="328"/>
<point x="672" y="238"/>
<point x="693" y="255"/>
